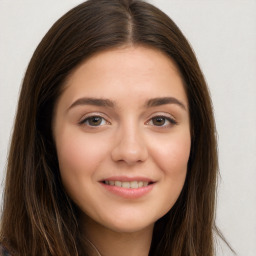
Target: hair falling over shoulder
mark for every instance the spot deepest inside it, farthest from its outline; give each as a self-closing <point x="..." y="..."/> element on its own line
<point x="38" y="217"/>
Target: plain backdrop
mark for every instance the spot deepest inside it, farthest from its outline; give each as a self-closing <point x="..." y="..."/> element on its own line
<point x="223" y="35"/>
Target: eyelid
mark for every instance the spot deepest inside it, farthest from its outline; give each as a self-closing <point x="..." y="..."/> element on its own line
<point x="168" y="116"/>
<point x="93" y="114"/>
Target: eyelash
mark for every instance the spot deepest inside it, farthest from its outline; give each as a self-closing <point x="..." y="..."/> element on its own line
<point x="87" y="119"/>
<point x="171" y="121"/>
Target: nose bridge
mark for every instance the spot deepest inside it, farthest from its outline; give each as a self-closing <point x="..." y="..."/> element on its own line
<point x="130" y="145"/>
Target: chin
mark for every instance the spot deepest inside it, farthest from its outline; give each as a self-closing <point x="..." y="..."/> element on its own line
<point x="130" y="225"/>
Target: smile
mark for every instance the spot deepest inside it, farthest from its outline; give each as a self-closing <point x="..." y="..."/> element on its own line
<point x="127" y="184"/>
<point x="128" y="187"/>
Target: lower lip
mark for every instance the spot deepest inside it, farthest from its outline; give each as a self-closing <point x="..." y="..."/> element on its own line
<point x="129" y="193"/>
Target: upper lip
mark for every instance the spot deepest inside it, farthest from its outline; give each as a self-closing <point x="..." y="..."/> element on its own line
<point x="128" y="179"/>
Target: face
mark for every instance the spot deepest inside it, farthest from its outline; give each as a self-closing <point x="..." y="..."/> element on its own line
<point x="121" y="128"/>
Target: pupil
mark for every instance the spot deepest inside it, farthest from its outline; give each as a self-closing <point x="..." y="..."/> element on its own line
<point x="159" y="121"/>
<point x="96" y="120"/>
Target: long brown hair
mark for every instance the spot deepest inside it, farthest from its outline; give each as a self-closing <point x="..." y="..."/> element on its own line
<point x="38" y="217"/>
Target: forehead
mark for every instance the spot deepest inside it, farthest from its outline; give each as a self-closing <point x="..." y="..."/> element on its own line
<point x="135" y="71"/>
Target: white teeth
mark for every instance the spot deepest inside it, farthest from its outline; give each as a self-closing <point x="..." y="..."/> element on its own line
<point x="145" y="183"/>
<point x="127" y="184"/>
<point x="134" y="184"/>
<point x="140" y="184"/>
<point x="118" y="183"/>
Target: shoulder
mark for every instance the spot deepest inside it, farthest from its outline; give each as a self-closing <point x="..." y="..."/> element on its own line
<point x="3" y="251"/>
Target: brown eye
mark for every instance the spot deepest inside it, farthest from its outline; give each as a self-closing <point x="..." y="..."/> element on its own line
<point x="94" y="121"/>
<point x="162" y="121"/>
<point x="159" y="121"/>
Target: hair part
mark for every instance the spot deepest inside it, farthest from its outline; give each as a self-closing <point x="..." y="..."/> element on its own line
<point x="38" y="217"/>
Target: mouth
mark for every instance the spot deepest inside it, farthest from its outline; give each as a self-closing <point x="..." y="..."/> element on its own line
<point x="127" y="187"/>
<point x="127" y="184"/>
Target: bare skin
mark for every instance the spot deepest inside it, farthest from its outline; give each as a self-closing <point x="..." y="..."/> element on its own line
<point x="115" y="243"/>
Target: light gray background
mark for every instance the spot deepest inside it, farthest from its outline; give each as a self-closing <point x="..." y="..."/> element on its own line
<point x="223" y="35"/>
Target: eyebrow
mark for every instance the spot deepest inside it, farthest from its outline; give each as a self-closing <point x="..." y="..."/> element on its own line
<point x="111" y="104"/>
<point x="94" y="102"/>
<point x="164" y="100"/>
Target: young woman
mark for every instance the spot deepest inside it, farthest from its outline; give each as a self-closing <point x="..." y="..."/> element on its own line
<point x="114" y="149"/>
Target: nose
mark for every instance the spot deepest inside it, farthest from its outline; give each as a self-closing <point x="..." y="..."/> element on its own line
<point x="129" y="147"/>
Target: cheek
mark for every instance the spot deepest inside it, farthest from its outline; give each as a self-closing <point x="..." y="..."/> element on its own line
<point x="172" y="154"/>
<point x="79" y="156"/>
<point x="172" y="159"/>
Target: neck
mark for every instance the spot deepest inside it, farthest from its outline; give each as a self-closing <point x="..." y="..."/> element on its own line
<point x="111" y="243"/>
